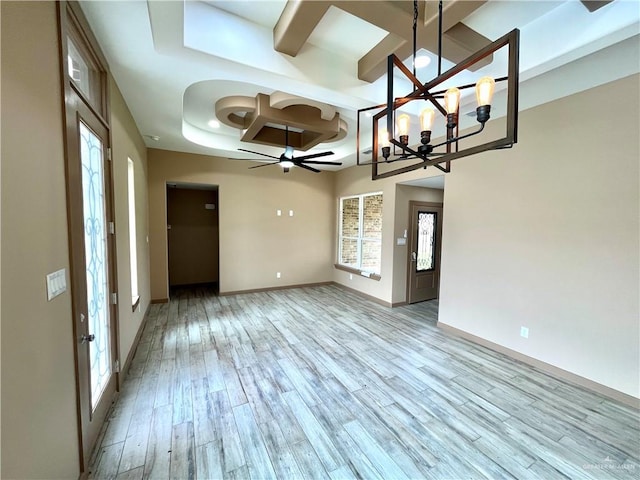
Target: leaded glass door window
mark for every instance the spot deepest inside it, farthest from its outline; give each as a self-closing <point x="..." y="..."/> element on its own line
<point x="425" y="255"/>
<point x="96" y="260"/>
<point x="423" y="260"/>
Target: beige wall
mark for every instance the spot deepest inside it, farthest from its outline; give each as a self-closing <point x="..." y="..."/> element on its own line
<point x="546" y="236"/>
<point x="254" y="242"/>
<point x="39" y="426"/>
<point x="391" y="288"/>
<point x="128" y="143"/>
<point x="39" y="421"/>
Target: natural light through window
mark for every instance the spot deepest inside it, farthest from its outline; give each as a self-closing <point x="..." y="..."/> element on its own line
<point x="133" y="256"/>
<point x="360" y="242"/>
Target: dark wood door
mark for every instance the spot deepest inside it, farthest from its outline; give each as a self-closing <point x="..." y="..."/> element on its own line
<point x="424" y="252"/>
<point x="193" y="237"/>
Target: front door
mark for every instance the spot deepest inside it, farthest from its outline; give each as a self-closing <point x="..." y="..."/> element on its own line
<point x="91" y="223"/>
<point x="92" y="274"/>
<point x="424" y="251"/>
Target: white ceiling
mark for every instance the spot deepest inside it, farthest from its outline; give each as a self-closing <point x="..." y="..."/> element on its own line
<point x="173" y="60"/>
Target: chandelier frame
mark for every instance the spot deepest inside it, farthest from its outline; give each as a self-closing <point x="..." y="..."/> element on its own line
<point x="426" y="92"/>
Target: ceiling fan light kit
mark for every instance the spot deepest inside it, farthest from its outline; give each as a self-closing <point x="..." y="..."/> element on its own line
<point x="287" y="160"/>
<point x="391" y="125"/>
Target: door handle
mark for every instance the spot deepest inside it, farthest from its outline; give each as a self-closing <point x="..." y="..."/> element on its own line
<point x="414" y="257"/>
<point x="87" y="338"/>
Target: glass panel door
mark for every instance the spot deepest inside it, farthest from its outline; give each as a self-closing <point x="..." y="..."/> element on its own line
<point x="95" y="238"/>
<point x="426" y="241"/>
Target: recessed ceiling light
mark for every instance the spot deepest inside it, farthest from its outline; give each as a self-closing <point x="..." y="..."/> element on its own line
<point x="213" y="123"/>
<point x="422" y="61"/>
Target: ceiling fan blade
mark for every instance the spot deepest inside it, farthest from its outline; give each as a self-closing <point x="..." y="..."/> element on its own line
<point x="314" y="155"/>
<point x="313" y="162"/>
<point x="263" y="165"/>
<point x="250" y="160"/>
<point x="302" y="165"/>
<point x="258" y="153"/>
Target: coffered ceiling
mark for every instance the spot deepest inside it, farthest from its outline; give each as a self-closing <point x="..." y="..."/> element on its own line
<point x="175" y="60"/>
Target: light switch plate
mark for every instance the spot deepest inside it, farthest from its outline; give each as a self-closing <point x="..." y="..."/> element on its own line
<point x="56" y="283"/>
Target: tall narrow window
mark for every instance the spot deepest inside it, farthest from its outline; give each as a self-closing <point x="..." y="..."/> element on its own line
<point x="360" y="242"/>
<point x="133" y="251"/>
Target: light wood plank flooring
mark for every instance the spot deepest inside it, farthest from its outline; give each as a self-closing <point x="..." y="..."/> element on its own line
<point x="317" y="383"/>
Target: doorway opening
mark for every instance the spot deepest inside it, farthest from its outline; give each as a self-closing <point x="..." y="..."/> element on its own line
<point x="193" y="236"/>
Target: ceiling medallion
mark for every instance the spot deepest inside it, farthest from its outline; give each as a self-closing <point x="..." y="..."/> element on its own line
<point x="281" y="120"/>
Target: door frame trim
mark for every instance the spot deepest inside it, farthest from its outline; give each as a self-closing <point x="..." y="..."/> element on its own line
<point x="418" y="203"/>
<point x="72" y="22"/>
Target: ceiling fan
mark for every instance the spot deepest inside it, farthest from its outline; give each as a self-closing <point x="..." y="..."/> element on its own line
<point x="287" y="160"/>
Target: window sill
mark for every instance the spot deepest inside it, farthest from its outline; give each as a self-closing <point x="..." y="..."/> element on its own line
<point x="357" y="271"/>
<point x="135" y="302"/>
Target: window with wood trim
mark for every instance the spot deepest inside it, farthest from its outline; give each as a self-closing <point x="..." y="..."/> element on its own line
<point x="360" y="232"/>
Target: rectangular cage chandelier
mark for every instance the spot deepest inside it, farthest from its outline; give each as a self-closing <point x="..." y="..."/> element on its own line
<point x="390" y="125"/>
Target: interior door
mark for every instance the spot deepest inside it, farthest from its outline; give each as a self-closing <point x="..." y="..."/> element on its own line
<point x="92" y="270"/>
<point x="423" y="281"/>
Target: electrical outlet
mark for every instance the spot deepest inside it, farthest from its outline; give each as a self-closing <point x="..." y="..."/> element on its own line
<point x="279" y="213"/>
<point x="277" y="274"/>
<point x="351" y="276"/>
<point x="524" y="332"/>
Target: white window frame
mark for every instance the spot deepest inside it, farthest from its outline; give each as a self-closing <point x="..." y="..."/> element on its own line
<point x="360" y="238"/>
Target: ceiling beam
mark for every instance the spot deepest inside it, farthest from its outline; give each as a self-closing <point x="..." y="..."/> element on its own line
<point x="459" y="41"/>
<point x="296" y="23"/>
<point x="593" y="5"/>
<point x="300" y="17"/>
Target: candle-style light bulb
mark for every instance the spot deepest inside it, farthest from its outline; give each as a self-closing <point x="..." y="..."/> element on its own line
<point x="484" y="90"/>
<point x="427" y="117"/>
<point x="451" y="103"/>
<point x="383" y="137"/>
<point x="403" y="128"/>
<point x="383" y="141"/>
<point x="484" y="94"/>
<point x="403" y="124"/>
<point x="452" y="100"/>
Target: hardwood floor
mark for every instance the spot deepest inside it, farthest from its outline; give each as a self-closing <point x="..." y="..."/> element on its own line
<point x="317" y="383"/>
